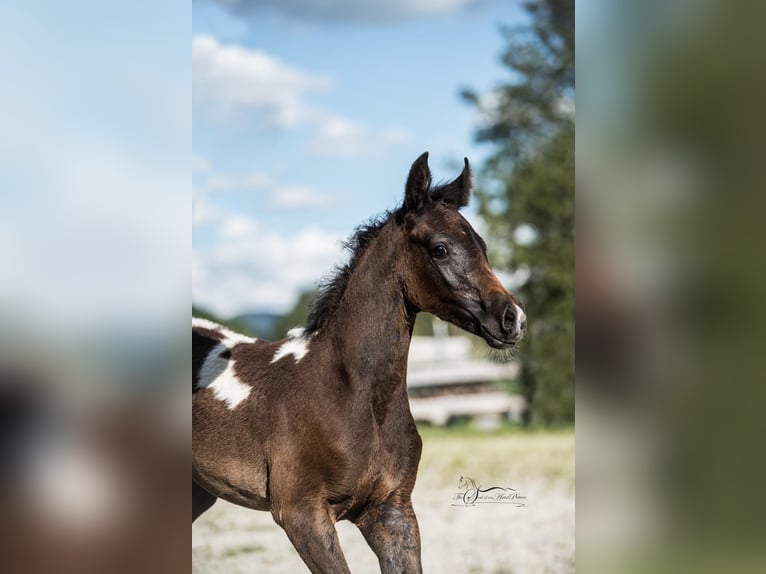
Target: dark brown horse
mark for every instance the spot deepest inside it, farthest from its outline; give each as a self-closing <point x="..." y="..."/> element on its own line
<point x="316" y="428"/>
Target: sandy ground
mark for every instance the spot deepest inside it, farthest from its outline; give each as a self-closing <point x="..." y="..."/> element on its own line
<point x="486" y="538"/>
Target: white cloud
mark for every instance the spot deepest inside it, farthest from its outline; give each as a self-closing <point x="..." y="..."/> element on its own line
<point x="254" y="181"/>
<point x="237" y="227"/>
<point x="208" y="178"/>
<point x="278" y="196"/>
<point x="115" y="242"/>
<point x="208" y="211"/>
<point x="340" y="137"/>
<point x="360" y="10"/>
<point x="297" y="197"/>
<point x="204" y="211"/>
<point x="230" y="79"/>
<point x="200" y="164"/>
<point x="252" y="268"/>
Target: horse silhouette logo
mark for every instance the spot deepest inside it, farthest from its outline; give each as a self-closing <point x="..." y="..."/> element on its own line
<point x="472" y="494"/>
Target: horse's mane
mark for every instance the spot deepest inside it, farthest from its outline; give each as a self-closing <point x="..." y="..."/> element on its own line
<point x="332" y="287"/>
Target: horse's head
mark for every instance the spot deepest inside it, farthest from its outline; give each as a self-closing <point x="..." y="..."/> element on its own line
<point x="447" y="272"/>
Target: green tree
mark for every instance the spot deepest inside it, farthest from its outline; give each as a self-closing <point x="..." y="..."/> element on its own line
<point x="296" y="316"/>
<point x="526" y="195"/>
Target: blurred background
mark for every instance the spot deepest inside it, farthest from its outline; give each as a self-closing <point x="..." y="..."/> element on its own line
<point x="306" y="118"/>
<point x="96" y="119"/>
<point x="669" y="273"/>
<point x="95" y="246"/>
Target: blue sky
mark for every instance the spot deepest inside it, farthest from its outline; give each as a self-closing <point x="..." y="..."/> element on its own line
<point x="95" y="113"/>
<point x="306" y="118"/>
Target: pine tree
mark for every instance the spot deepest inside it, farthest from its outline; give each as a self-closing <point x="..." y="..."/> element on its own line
<point x="526" y="195"/>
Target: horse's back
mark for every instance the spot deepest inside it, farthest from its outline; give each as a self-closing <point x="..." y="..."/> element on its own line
<point x="211" y="343"/>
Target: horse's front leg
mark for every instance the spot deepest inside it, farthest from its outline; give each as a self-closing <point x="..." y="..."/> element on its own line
<point x="391" y="530"/>
<point x="313" y="535"/>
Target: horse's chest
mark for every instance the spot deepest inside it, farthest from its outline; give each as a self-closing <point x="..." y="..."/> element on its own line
<point x="387" y="466"/>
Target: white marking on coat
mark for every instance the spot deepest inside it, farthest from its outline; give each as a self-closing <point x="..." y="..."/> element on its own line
<point x="206" y="324"/>
<point x="521" y="318"/>
<point x="296" y="332"/>
<point x="297" y="346"/>
<point x="217" y="372"/>
<point x="227" y="333"/>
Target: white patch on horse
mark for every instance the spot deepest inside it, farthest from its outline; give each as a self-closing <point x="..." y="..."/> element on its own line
<point x="296" y="332"/>
<point x="205" y="324"/>
<point x="521" y="318"/>
<point x="297" y="345"/>
<point x="217" y="372"/>
<point x="230" y="335"/>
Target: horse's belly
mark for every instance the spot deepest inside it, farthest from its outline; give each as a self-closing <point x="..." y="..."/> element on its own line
<point x="230" y="471"/>
<point x="238" y="482"/>
<point x="226" y="460"/>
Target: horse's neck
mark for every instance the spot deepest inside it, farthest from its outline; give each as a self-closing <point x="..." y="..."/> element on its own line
<point x="373" y="328"/>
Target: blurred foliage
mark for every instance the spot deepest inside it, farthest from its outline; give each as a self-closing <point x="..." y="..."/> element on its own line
<point x="469" y="430"/>
<point x="424" y="325"/>
<point x="295" y="317"/>
<point x="526" y="196"/>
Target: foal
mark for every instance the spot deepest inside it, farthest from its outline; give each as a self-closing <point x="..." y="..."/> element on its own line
<point x="317" y="428"/>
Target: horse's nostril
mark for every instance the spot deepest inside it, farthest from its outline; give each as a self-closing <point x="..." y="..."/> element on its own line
<point x="509" y="319"/>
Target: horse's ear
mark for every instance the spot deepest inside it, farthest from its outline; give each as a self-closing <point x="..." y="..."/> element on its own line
<point x="457" y="192"/>
<point x="416" y="192"/>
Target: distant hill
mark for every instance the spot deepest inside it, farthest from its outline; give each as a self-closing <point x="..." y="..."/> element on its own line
<point x="233" y="323"/>
<point x="261" y="325"/>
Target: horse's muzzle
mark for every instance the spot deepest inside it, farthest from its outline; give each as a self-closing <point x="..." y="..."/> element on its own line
<point x="502" y="323"/>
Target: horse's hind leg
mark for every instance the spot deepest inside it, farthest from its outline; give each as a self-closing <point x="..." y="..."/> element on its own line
<point x="201" y="500"/>
<point x="391" y="530"/>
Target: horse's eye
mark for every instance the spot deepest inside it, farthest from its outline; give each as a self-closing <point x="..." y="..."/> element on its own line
<point x="438" y="251"/>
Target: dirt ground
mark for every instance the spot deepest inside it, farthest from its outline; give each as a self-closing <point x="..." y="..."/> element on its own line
<point x="492" y="538"/>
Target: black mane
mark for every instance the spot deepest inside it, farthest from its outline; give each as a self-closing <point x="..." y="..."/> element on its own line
<point x="331" y="288"/>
